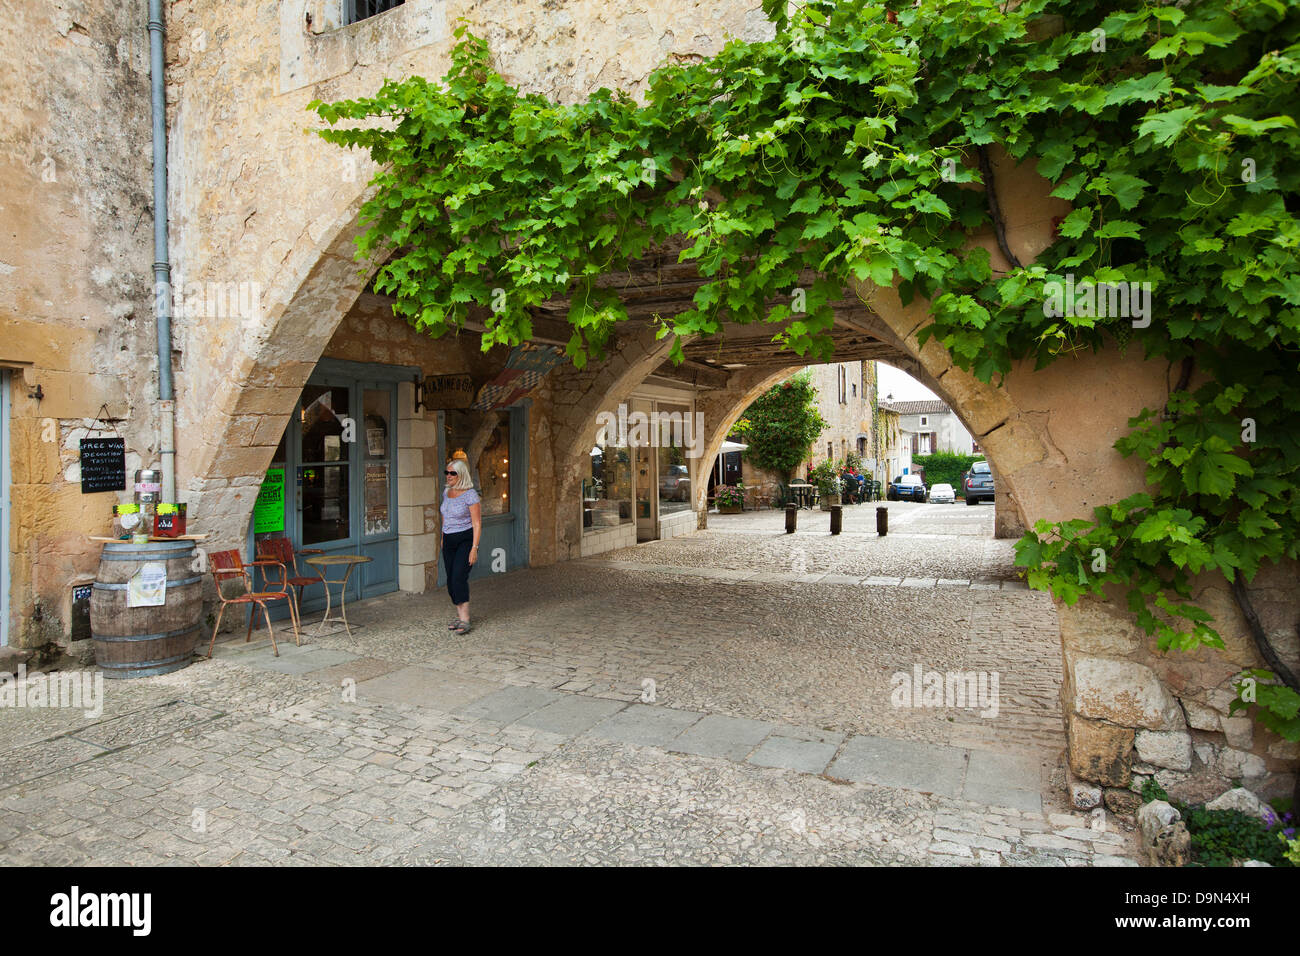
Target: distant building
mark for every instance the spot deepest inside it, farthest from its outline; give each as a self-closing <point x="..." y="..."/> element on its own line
<point x="933" y="426"/>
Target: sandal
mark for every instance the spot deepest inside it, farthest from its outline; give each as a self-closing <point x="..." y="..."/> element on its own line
<point x="453" y="624"/>
<point x="462" y="627"/>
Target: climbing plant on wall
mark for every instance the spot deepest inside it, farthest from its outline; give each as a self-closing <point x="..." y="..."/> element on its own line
<point x="851" y="147"/>
<point x="781" y="424"/>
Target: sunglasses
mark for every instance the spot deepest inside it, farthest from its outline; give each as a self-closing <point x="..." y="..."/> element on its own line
<point x="449" y="473"/>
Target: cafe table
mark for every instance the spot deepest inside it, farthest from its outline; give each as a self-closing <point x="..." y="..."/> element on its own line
<point x="802" y="492"/>
<point x="346" y="561"/>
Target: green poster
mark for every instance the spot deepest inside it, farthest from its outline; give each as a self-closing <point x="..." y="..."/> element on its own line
<point x="268" y="512"/>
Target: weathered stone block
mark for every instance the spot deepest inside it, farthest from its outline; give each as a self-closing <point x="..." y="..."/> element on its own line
<point x="1200" y="716"/>
<point x="1239" y="798"/>
<point x="1122" y="802"/>
<point x="1172" y="846"/>
<point x="1124" y="693"/>
<point x="1240" y="732"/>
<point x="1165" y="748"/>
<point x="1153" y="818"/>
<point x="1240" y="764"/>
<point x="1100" y="752"/>
<point x="1083" y="795"/>
<point x="1091" y="628"/>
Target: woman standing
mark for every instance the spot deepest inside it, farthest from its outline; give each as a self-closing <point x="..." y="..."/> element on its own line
<point x="462" y="526"/>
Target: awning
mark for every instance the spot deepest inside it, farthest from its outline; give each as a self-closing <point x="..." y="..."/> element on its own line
<point x="732" y="446"/>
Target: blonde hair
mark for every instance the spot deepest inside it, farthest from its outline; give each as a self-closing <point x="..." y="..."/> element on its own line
<point x="463" y="479"/>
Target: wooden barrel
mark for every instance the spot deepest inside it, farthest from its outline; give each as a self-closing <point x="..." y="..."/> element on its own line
<point x="143" y="641"/>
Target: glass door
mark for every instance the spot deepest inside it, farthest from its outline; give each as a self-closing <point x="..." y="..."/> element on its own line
<point x="332" y="487"/>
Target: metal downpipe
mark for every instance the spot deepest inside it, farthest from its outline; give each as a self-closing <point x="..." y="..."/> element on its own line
<point x="162" y="270"/>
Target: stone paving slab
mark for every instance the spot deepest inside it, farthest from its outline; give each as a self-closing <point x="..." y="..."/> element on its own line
<point x="909" y="764"/>
<point x="357" y="669"/>
<point x="789" y="753"/>
<point x="145" y="725"/>
<point x="572" y="715"/>
<point x="1006" y="780"/>
<point x="426" y="687"/>
<point x="645" y="726"/>
<point x="716" y="735"/>
<point x="510" y="704"/>
<point x="36" y="760"/>
<point x="301" y="660"/>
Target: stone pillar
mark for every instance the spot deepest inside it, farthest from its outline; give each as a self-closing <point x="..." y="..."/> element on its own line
<point x="417" y="510"/>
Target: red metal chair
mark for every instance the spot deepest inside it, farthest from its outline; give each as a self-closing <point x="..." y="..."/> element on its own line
<point x="227" y="564"/>
<point x="280" y="551"/>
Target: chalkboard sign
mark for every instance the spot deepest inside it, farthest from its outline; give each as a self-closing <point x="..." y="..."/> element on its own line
<point x="103" y="465"/>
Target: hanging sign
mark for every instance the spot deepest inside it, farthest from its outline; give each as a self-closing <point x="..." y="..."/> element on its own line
<point x="525" y="368"/>
<point x="268" y="511"/>
<point x="447" y="391"/>
<point x="103" y="465"/>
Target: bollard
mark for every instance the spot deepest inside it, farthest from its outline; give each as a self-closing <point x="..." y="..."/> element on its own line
<point x="882" y="521"/>
<point x="837" y="519"/>
<point x="791" y="518"/>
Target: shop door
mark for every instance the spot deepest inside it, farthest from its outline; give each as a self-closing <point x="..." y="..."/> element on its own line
<point x="332" y="486"/>
<point x="495" y="446"/>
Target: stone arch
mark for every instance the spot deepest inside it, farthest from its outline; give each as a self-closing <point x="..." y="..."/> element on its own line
<point x="228" y="429"/>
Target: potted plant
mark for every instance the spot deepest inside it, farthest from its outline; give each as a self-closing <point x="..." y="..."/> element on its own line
<point x="730" y="499"/>
<point x="826" y="477"/>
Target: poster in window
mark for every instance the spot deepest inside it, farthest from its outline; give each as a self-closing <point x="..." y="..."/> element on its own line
<point x="378" y="520"/>
<point x="268" y="510"/>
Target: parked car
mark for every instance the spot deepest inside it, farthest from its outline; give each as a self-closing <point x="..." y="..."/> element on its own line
<point x="942" y="495"/>
<point x="978" y="483"/>
<point x="906" y="488"/>
<point x="675" y="484"/>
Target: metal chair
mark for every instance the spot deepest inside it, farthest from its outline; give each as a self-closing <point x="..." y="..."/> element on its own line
<point x="280" y="551"/>
<point x="227" y="564"/>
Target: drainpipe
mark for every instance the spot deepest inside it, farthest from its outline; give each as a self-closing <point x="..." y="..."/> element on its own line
<point x="162" y="269"/>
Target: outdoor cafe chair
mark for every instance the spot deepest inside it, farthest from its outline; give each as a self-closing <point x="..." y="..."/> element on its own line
<point x="229" y="564"/>
<point x="281" y="552"/>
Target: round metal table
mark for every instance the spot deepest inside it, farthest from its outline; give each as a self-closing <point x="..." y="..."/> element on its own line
<point x="349" y="561"/>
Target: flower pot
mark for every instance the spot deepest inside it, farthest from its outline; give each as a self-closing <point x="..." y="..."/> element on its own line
<point x="828" y="500"/>
<point x="730" y="509"/>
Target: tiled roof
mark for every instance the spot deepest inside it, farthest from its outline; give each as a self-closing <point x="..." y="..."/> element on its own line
<point x="929" y="407"/>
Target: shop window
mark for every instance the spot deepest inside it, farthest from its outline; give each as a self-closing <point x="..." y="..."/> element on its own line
<point x="674" y="471"/>
<point x="378" y="470"/>
<point x="482" y="439"/>
<point x="607" y="488"/>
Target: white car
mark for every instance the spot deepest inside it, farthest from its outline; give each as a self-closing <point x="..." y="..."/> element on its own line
<point x="942" y="495"/>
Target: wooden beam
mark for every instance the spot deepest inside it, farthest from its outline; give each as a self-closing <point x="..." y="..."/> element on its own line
<point x="694" y="373"/>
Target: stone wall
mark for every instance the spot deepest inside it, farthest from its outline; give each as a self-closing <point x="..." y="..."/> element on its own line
<point x="76" y="302"/>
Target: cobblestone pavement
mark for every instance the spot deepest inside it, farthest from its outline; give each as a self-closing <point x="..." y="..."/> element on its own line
<point x="717" y="698"/>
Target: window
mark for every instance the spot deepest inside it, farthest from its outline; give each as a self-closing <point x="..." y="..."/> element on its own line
<point x="482" y="439"/>
<point x="855" y="389"/>
<point x="357" y="10"/>
<point x="607" y="490"/>
<point x="830" y="451"/>
<point x="925" y="420"/>
<point x="674" y="473"/>
<point x="844" y="391"/>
